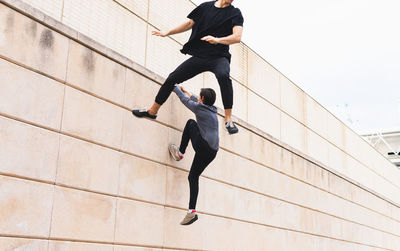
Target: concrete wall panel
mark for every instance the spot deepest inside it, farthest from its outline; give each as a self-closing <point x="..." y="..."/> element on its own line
<point x="142" y="179"/>
<point x="292" y="99"/>
<point x="25" y="207"/>
<point x="51" y="8"/>
<point x="80" y="215"/>
<point x="28" y="151"/>
<point x="90" y="118"/>
<point x="168" y="14"/>
<point x="315" y="116"/>
<point x="30" y="96"/>
<point x="239" y="62"/>
<point x="139" y="7"/>
<point x="78" y="246"/>
<point x="263" y="79"/>
<point x="88" y="166"/>
<point x="139" y="223"/>
<point x="293" y="133"/>
<point x="140" y="92"/>
<point x="264" y="115"/>
<point x="110" y="24"/>
<point x="136" y="130"/>
<point x="96" y="74"/>
<point x="7" y="243"/>
<point x="44" y="49"/>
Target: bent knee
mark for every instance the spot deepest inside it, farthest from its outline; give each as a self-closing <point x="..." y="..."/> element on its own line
<point x="191" y="121"/>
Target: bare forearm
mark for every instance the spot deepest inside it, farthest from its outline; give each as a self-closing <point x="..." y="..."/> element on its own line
<point x="236" y="37"/>
<point x="231" y="39"/>
<point x="181" y="28"/>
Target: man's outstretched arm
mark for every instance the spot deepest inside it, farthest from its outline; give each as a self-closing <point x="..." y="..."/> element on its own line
<point x="179" y="29"/>
<point x="185" y="98"/>
<point x="236" y="37"/>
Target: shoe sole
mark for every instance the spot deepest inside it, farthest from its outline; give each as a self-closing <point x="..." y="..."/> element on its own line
<point x="141" y="115"/>
<point x="171" y="153"/>
<point x="231" y="132"/>
<point x="191" y="221"/>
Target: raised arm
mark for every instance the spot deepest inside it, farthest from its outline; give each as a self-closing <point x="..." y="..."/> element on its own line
<point x="235" y="38"/>
<point x="179" y="29"/>
<point x="184" y="97"/>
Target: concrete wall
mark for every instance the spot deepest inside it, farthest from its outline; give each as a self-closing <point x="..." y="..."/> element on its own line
<point x="79" y="172"/>
<point x="263" y="96"/>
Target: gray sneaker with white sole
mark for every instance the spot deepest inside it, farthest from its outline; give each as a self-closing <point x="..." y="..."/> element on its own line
<point x="174" y="151"/>
<point x="189" y="218"/>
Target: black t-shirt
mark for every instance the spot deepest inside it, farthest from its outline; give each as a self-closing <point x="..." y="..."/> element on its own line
<point x="217" y="22"/>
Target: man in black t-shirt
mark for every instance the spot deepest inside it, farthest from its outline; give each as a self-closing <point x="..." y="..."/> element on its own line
<point x="215" y="25"/>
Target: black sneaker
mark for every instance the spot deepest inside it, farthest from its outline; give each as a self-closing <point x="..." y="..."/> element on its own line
<point x="140" y="113"/>
<point x="231" y="127"/>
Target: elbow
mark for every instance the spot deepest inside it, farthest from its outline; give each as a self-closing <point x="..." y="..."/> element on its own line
<point x="238" y="39"/>
<point x="189" y="24"/>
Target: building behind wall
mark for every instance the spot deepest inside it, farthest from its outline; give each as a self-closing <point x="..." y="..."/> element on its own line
<point x="386" y="142"/>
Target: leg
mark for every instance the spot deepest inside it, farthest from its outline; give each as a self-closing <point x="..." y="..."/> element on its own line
<point x="190" y="132"/>
<point x="221" y="70"/>
<point x="228" y="115"/>
<point x="188" y="69"/>
<point x="200" y="162"/>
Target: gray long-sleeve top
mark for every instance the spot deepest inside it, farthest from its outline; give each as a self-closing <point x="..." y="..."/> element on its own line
<point x="206" y="117"/>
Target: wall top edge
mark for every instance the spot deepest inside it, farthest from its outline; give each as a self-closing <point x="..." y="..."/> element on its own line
<point x="37" y="15"/>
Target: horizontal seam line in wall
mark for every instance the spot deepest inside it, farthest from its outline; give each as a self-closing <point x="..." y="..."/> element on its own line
<point x="209" y="214"/>
<point x="32" y="237"/>
<point x="162" y="123"/>
<point x="130" y="11"/>
<point x="181" y="169"/>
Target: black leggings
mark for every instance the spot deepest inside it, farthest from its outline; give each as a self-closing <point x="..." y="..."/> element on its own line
<point x="203" y="156"/>
<point x="194" y="66"/>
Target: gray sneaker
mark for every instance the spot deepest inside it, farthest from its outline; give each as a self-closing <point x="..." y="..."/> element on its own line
<point x="174" y="151"/>
<point x="189" y="218"/>
<point x="231" y="127"/>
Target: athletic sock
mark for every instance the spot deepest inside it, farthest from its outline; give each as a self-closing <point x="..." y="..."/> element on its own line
<point x="191" y="211"/>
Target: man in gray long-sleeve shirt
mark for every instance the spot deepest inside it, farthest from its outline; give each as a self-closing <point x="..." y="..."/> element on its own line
<point x="204" y="137"/>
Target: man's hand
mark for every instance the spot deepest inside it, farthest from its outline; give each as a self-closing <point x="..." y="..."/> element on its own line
<point x="210" y="39"/>
<point x="182" y="88"/>
<point x="160" y="33"/>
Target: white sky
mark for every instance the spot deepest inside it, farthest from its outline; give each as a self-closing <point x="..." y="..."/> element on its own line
<point x="344" y="53"/>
